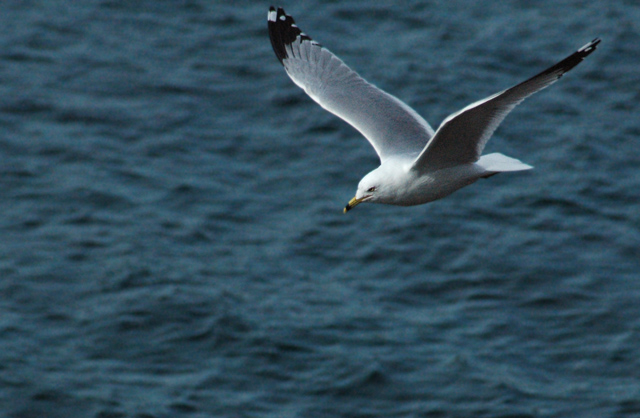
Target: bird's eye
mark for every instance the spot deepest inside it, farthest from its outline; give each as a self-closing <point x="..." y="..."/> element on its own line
<point x="371" y="189"/>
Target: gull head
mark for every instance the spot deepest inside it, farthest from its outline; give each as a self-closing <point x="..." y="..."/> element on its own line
<point x="381" y="185"/>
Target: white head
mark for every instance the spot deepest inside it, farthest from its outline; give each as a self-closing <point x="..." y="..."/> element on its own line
<point x="381" y="185"/>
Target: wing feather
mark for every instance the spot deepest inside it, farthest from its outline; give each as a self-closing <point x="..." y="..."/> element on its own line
<point x="463" y="135"/>
<point x="390" y="125"/>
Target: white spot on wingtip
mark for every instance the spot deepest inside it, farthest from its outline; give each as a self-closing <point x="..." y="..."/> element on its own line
<point x="283" y="17"/>
<point x="271" y="16"/>
<point x="588" y="47"/>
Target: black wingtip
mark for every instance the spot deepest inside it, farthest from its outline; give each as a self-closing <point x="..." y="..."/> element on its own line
<point x="283" y="31"/>
<point x="582" y="53"/>
<point x="572" y="60"/>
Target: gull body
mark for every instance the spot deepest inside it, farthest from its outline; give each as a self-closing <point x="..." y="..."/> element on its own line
<point x="418" y="164"/>
<point x="396" y="182"/>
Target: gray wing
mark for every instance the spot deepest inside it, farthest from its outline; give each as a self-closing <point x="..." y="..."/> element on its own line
<point x="390" y="125"/>
<point x="462" y="136"/>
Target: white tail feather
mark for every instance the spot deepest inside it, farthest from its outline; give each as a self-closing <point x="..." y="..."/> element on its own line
<point x="496" y="163"/>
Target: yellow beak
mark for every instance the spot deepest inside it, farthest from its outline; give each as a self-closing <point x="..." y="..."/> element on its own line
<point x="353" y="203"/>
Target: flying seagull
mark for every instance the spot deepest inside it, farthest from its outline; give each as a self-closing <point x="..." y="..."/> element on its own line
<point x="417" y="165"/>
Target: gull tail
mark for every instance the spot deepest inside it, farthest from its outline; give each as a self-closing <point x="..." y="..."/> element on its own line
<point x="498" y="163"/>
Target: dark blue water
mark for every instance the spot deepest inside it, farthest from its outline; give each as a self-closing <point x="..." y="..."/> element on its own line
<point x="172" y="242"/>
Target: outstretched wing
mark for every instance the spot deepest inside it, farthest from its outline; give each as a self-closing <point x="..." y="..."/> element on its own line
<point x="462" y="135"/>
<point x="390" y="125"/>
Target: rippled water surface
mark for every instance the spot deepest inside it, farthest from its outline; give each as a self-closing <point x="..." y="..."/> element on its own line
<point x="172" y="242"/>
